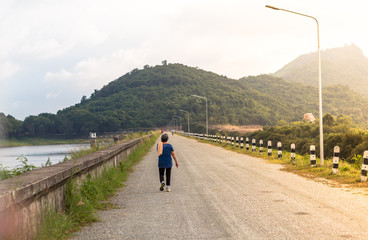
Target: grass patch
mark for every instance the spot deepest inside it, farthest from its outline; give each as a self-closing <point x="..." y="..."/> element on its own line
<point x="20" y="169"/>
<point x="4" y="173"/>
<point x="84" y="199"/>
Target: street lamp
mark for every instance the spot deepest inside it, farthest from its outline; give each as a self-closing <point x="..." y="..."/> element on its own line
<point x="179" y="121"/>
<point x="319" y="82"/>
<point x="170" y="124"/>
<point x="174" y="123"/>
<point x="206" y="111"/>
<point x="188" y="118"/>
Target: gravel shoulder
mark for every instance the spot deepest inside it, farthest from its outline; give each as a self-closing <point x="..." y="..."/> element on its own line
<point x="219" y="194"/>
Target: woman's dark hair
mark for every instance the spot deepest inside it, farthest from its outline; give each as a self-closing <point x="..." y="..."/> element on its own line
<point x="164" y="137"/>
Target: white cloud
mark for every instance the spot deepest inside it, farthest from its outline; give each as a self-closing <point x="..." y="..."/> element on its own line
<point x="60" y="76"/>
<point x="8" y="69"/>
<point x="93" y="73"/>
<point x="52" y="95"/>
<point x="41" y="29"/>
<point x="41" y="48"/>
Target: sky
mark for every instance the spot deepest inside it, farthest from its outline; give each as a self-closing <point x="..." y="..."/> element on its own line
<point x="54" y="52"/>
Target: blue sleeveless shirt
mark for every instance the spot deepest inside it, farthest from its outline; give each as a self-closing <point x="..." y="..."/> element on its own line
<point x="164" y="160"/>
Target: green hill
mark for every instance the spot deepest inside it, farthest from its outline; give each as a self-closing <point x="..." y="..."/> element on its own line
<point x="346" y="65"/>
<point x="150" y="97"/>
<point x="295" y="99"/>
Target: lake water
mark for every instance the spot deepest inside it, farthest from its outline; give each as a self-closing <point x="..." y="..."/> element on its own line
<point x="37" y="155"/>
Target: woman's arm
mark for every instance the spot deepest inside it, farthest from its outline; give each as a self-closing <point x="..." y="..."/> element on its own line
<point x="174" y="156"/>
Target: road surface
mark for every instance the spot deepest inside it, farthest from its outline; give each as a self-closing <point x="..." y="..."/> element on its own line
<point x="219" y="194"/>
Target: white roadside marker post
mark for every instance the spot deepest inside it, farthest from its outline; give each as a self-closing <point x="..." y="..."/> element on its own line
<point x="260" y="146"/>
<point x="279" y="150"/>
<point x="335" y="160"/>
<point x="253" y="145"/>
<point x="269" y="148"/>
<point x="292" y="153"/>
<point x="313" y="155"/>
<point x="363" y="173"/>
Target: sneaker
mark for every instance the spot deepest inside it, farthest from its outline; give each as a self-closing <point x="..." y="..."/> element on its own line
<point x="168" y="189"/>
<point x="162" y="186"/>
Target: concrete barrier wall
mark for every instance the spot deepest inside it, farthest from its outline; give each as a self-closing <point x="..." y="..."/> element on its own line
<point x="23" y="199"/>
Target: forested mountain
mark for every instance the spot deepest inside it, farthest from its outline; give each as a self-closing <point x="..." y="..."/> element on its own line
<point x="346" y="65"/>
<point x="152" y="96"/>
<point x="291" y="100"/>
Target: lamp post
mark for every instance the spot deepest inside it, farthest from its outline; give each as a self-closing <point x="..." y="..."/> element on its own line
<point x="319" y="81"/>
<point x="188" y="118"/>
<point x="206" y="111"/>
<point x="174" y="123"/>
<point x="179" y="121"/>
<point x="170" y="124"/>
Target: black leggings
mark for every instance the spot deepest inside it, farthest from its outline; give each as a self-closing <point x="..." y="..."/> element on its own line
<point x="168" y="175"/>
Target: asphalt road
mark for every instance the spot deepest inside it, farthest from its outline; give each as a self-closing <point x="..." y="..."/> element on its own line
<point x="219" y="194"/>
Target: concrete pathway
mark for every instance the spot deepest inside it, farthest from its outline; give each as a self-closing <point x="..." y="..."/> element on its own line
<point x="219" y="194"/>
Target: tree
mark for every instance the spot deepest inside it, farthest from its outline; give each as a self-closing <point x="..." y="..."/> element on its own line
<point x="94" y="93"/>
<point x="14" y="126"/>
<point x="84" y="98"/>
<point x="3" y="126"/>
<point x="328" y="120"/>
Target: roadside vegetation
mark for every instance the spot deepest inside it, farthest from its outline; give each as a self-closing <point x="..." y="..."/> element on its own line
<point x="339" y="131"/>
<point x="23" y="167"/>
<point x="85" y="198"/>
<point x="348" y="174"/>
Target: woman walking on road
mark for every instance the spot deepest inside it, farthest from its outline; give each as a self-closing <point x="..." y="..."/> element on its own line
<point x="165" y="151"/>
